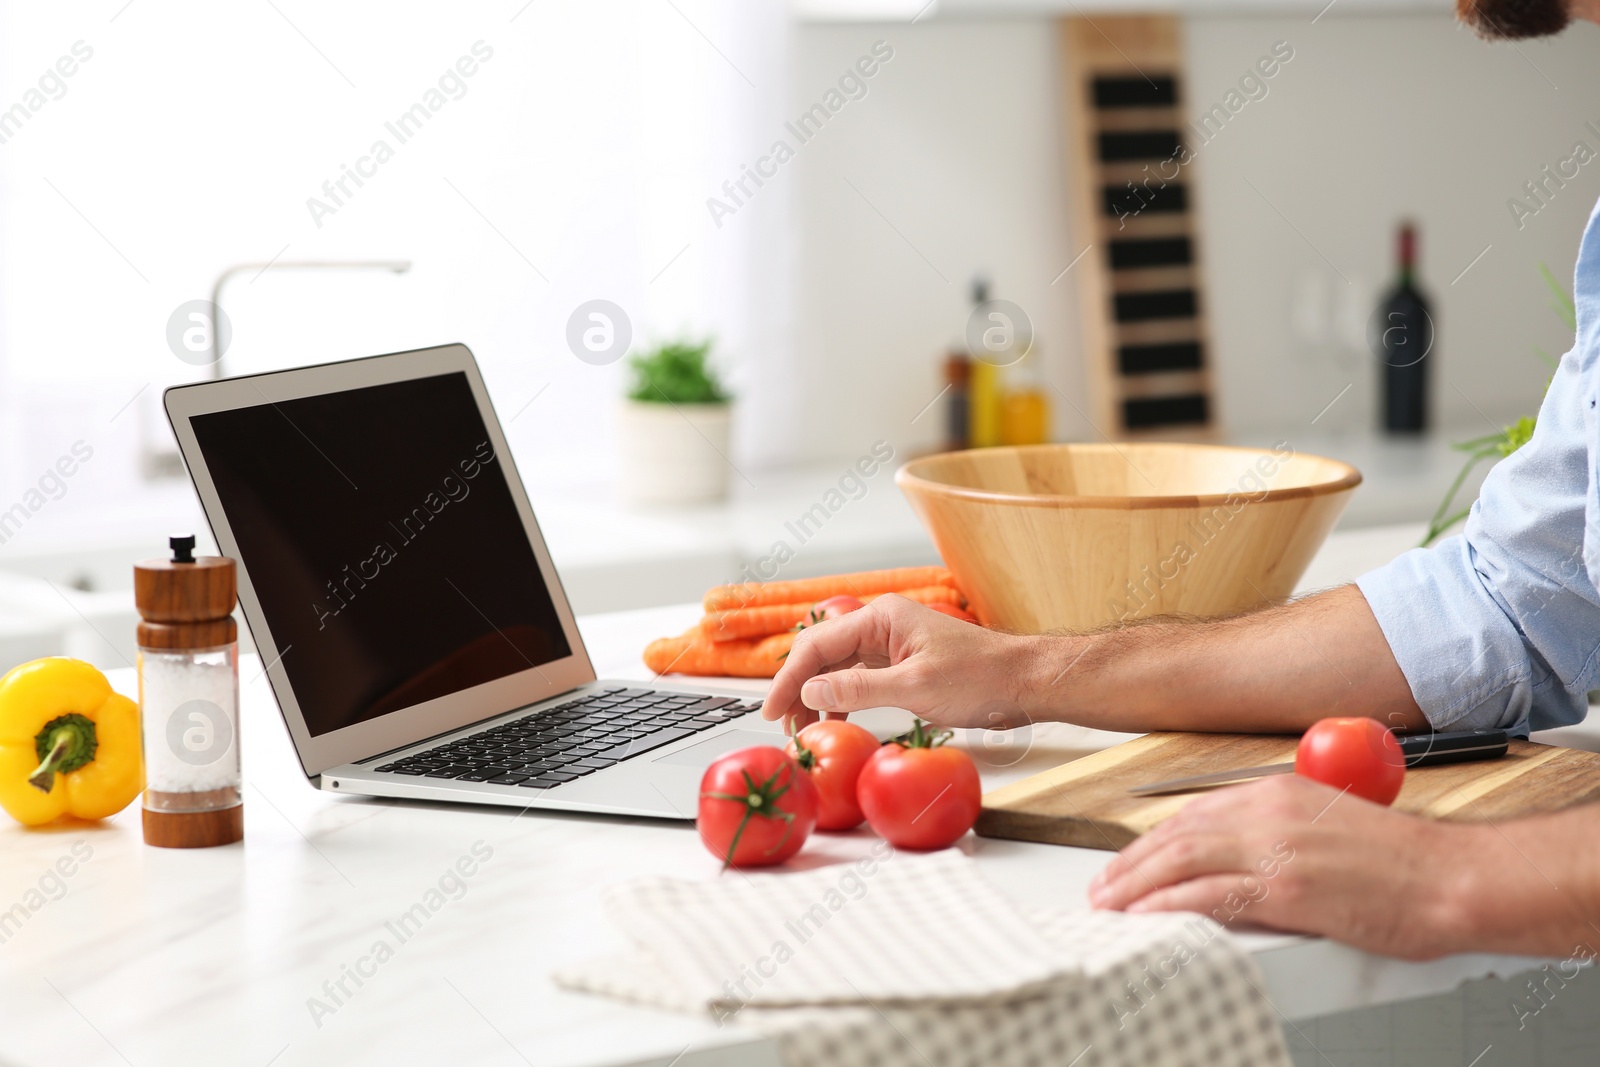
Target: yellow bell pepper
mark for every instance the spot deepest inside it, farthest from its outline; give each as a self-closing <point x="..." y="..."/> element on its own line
<point x="68" y="744"/>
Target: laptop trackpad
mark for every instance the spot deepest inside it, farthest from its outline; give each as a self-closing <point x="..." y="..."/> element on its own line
<point x="702" y="753"/>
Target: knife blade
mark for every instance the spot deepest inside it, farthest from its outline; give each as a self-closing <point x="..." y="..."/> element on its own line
<point x="1419" y="750"/>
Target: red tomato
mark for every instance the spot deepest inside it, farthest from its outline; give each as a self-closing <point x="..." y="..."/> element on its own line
<point x="756" y="807"/>
<point x="832" y="753"/>
<point x="831" y="608"/>
<point x="1353" y="753"/>
<point x="919" y="795"/>
<point x="835" y="606"/>
<point x="954" y="612"/>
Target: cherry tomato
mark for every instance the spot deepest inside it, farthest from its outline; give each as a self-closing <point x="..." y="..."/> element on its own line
<point x="835" y="606"/>
<point x="757" y="807"/>
<point x="1358" y="754"/>
<point x="954" y="612"/>
<point x="917" y="794"/>
<point x="831" y="608"/>
<point x="832" y="753"/>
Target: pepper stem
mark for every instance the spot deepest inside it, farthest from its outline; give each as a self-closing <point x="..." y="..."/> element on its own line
<point x="65" y="744"/>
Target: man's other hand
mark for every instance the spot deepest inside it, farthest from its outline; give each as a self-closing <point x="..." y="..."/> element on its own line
<point x="1289" y="853"/>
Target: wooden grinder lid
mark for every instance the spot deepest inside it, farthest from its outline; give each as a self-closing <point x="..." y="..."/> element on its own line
<point x="185" y="602"/>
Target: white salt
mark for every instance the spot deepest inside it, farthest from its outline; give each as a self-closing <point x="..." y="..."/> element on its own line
<point x="189" y="702"/>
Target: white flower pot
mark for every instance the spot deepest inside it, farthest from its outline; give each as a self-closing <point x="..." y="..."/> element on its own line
<point x="673" y="453"/>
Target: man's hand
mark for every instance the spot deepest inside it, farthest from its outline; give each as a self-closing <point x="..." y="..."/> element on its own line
<point x="1274" y="671"/>
<point x="896" y="653"/>
<point x="1160" y="676"/>
<point x="1289" y="853"/>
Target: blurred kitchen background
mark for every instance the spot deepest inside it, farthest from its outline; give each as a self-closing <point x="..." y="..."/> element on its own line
<point x="576" y="163"/>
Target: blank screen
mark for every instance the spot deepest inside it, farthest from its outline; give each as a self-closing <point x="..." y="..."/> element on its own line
<point x="383" y="542"/>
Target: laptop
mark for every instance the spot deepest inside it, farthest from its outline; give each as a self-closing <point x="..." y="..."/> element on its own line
<point x="414" y="627"/>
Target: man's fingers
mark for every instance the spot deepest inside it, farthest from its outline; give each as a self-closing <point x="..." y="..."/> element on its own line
<point x="1148" y="843"/>
<point x="815" y="650"/>
<point x="1219" y="811"/>
<point x="1224" y="897"/>
<point x="840" y="692"/>
<point x="1179" y="858"/>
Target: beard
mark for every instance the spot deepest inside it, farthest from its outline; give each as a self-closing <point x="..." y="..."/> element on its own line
<point x="1513" y="20"/>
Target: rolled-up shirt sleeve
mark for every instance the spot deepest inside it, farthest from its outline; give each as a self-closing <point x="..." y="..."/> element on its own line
<point x="1467" y="658"/>
<point x="1500" y="626"/>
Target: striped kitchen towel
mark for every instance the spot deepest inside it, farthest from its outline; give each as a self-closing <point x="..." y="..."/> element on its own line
<point x="916" y="959"/>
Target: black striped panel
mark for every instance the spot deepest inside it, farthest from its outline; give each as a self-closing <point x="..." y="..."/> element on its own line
<point x="1157" y="359"/>
<point x="1157" y="90"/>
<point x="1118" y="147"/>
<point x="1121" y="201"/>
<point x="1130" y="253"/>
<point x="1148" y="412"/>
<point x="1165" y="304"/>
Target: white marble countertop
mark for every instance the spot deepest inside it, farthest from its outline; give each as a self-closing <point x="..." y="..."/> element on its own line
<point x="146" y="956"/>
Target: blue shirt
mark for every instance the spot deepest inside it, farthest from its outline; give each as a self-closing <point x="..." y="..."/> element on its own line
<point x="1500" y="626"/>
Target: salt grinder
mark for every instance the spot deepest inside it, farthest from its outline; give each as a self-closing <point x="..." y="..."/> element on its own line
<point x="189" y="698"/>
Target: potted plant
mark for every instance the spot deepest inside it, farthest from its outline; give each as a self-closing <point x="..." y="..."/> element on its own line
<point x="674" y="427"/>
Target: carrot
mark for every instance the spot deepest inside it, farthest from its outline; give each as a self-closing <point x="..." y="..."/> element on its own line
<point x="737" y="623"/>
<point x="930" y="594"/>
<point x="694" y="653"/>
<point x="810" y="590"/>
<point x="763" y="620"/>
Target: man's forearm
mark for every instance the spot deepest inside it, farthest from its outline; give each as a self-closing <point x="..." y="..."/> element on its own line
<point x="1276" y="670"/>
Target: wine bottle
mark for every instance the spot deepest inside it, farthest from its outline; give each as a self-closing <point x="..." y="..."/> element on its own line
<point x="1403" y="339"/>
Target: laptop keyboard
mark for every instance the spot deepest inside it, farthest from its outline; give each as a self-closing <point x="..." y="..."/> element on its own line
<point x="564" y="743"/>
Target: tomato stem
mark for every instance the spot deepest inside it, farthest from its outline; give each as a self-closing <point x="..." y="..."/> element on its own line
<point x="922" y="735"/>
<point x="802" y="755"/>
<point x="812" y="618"/>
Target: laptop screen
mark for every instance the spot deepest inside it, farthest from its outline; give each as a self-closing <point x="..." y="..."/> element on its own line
<point x="383" y="543"/>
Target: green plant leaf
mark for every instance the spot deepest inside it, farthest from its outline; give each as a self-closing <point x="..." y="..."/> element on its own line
<point x="1562" y="302"/>
<point x="1486" y="444"/>
<point x="1517" y="434"/>
<point x="676" y="373"/>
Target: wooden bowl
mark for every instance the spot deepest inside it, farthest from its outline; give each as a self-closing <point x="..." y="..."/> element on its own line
<point x="1077" y="537"/>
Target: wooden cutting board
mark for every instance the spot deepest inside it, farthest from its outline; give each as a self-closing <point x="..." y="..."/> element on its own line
<point x="1085" y="802"/>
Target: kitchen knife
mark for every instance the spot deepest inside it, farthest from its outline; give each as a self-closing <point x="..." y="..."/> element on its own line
<point x="1420" y="750"/>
